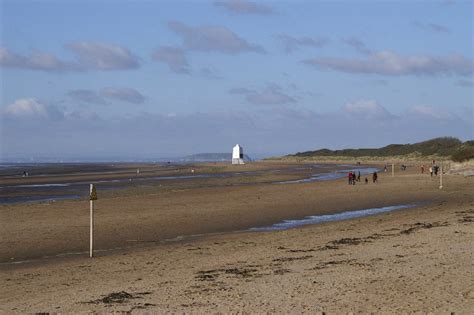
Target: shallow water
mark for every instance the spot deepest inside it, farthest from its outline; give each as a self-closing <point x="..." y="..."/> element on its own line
<point x="32" y="199"/>
<point x="315" y="219"/>
<point x="338" y="174"/>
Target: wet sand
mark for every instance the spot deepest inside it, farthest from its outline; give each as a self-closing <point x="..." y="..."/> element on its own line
<point x="417" y="259"/>
<point x="48" y="183"/>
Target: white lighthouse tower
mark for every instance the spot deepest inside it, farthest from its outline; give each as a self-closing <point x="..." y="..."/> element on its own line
<point x="237" y="155"/>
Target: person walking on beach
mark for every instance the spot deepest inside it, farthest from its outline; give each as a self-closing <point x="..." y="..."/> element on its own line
<point x="375" y="177"/>
<point x="350" y="178"/>
<point x="431" y="171"/>
<point x="358" y="176"/>
<point x="366" y="180"/>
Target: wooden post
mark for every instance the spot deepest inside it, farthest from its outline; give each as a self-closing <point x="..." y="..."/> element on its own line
<point x="441" y="177"/>
<point x="393" y="169"/>
<point x="91" y="243"/>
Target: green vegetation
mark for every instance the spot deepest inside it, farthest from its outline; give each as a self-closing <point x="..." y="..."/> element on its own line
<point x="464" y="153"/>
<point x="440" y="147"/>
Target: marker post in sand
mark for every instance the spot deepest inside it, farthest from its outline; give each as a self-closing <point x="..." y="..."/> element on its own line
<point x="441" y="177"/>
<point x="92" y="197"/>
<point x="393" y="170"/>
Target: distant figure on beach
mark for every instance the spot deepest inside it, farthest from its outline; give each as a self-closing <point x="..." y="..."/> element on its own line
<point x="375" y="177"/>
<point x="24" y="173"/>
<point x="385" y="168"/>
<point x="366" y="180"/>
<point x="422" y="169"/>
<point x="436" y="169"/>
<point x="358" y="177"/>
<point x="349" y="176"/>
<point x="431" y="171"/>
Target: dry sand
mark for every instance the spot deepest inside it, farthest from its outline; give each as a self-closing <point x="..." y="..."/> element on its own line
<point x="418" y="259"/>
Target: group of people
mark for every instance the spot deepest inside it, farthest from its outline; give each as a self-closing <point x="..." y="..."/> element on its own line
<point x="434" y="169"/>
<point x="353" y="178"/>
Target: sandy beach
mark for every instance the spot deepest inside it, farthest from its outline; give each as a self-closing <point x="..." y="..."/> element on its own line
<point x="412" y="260"/>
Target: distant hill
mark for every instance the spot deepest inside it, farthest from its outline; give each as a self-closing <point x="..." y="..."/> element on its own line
<point x="443" y="147"/>
<point x="212" y="157"/>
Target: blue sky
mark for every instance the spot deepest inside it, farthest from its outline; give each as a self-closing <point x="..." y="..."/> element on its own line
<point x="169" y="78"/>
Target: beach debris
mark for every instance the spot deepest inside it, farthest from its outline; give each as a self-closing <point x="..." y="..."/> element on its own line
<point x="301" y="250"/>
<point x="280" y="272"/>
<point x="286" y="259"/>
<point x="419" y="225"/>
<point x="211" y="275"/>
<point x="119" y="297"/>
<point x="351" y="262"/>
<point x="348" y="241"/>
<point x="466" y="216"/>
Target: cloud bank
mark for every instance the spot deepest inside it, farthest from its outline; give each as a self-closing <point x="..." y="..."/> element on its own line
<point x="30" y="127"/>
<point x="393" y="64"/>
<point x="88" y="56"/>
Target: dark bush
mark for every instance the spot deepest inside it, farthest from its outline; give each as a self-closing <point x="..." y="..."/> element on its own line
<point x="464" y="153"/>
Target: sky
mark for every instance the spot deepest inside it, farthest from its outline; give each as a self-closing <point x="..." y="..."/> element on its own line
<point x="153" y="79"/>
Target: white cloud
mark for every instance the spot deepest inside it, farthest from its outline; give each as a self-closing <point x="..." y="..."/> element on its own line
<point x="431" y="27"/>
<point x="103" y="56"/>
<point x="391" y="63"/>
<point x="89" y="56"/>
<point x="270" y="95"/>
<point x="244" y="7"/>
<point x="174" y="57"/>
<point x="32" y="108"/>
<point x="357" y="44"/>
<point x="429" y="112"/>
<point x="367" y="109"/>
<point x="86" y="96"/>
<point x="291" y="44"/>
<point x="212" y="39"/>
<point x="123" y="94"/>
<point x="35" y="61"/>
